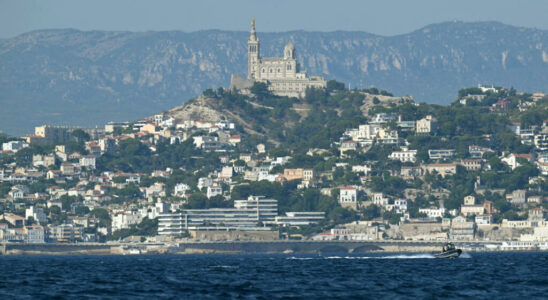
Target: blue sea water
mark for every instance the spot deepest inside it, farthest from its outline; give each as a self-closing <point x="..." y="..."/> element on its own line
<point x="369" y="276"/>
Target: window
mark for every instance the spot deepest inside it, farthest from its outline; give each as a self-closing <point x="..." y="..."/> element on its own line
<point x="289" y="67"/>
<point x="270" y="70"/>
<point x="279" y="70"/>
<point x="262" y="70"/>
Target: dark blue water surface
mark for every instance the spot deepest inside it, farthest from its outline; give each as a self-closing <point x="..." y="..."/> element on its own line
<point x="373" y="276"/>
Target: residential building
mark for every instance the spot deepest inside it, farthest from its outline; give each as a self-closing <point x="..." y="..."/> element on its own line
<point x="156" y="190"/>
<point x="442" y="169"/>
<point x="303" y="218"/>
<point x="383" y="118"/>
<point x="43" y="160"/>
<point x="67" y="169"/>
<point x="88" y="161"/>
<point x="439" y="154"/>
<point x="477" y="151"/>
<point x="14" y="219"/>
<point x="36" y="213"/>
<point x="246" y="215"/>
<point x="537" y="214"/>
<point x="472" y="165"/>
<point x="204" y="182"/>
<point x="348" y="196"/>
<point x="517" y="197"/>
<point x="34" y="234"/>
<point x="379" y="199"/>
<point x="461" y="229"/>
<point x="367" y="132"/>
<point x="125" y="220"/>
<point x="433" y="213"/>
<point x="512" y="160"/>
<point x="426" y="125"/>
<point x="52" y="134"/>
<point x="470" y="200"/>
<point x="409" y="172"/>
<point x="226" y="172"/>
<point x="541" y="141"/>
<point x="405" y="155"/>
<point x="13" y="145"/>
<point x="181" y="189"/>
<point x="388" y="136"/>
<point x="348" y="146"/>
<point x="293" y="174"/>
<point x="66" y="233"/>
<point x="484" y="219"/>
<point x="214" y="190"/>
<point x="472" y="210"/>
<point x="400" y="205"/>
<point x="308" y="174"/>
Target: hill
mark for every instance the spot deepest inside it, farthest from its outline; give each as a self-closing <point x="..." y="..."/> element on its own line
<point x="88" y="78"/>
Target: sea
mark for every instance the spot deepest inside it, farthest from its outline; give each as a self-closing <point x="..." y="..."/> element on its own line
<point x="364" y="276"/>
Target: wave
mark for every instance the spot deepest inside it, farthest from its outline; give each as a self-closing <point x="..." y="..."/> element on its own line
<point x="399" y="256"/>
<point x="222" y="267"/>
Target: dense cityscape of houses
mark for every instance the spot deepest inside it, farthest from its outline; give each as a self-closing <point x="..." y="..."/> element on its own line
<point x="58" y="195"/>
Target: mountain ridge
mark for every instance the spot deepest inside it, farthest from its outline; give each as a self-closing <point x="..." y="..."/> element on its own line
<point x="72" y="77"/>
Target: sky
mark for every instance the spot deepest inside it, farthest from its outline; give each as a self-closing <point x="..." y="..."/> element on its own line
<point x="386" y="17"/>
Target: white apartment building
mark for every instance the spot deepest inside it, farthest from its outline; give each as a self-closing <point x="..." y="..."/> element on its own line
<point x="214" y="190"/>
<point x="348" y="194"/>
<point x="433" y="213"/>
<point x="405" y="155"/>
<point x="437" y="154"/>
<point x="125" y="220"/>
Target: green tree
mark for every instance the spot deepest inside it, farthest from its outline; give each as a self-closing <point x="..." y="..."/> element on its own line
<point x="260" y="90"/>
<point x="333" y="85"/>
<point x="82" y="210"/>
<point x="371" y="212"/>
<point x="80" y="135"/>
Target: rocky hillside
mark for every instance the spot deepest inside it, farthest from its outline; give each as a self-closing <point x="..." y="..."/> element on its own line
<point x="88" y="78"/>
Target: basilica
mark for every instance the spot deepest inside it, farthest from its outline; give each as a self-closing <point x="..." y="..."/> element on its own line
<point x="281" y="73"/>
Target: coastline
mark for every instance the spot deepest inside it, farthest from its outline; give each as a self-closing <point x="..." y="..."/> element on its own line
<point x="243" y="247"/>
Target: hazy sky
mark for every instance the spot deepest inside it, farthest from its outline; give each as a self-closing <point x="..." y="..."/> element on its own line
<point x="386" y="17"/>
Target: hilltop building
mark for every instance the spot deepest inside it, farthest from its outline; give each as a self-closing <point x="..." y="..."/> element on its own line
<point x="282" y="74"/>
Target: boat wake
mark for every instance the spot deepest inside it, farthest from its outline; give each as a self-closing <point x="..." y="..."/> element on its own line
<point x="400" y="256"/>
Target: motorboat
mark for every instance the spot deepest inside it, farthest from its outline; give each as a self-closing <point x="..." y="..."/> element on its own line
<point x="449" y="251"/>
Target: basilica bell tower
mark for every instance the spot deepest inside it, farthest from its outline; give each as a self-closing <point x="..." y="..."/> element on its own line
<point x="252" y="53"/>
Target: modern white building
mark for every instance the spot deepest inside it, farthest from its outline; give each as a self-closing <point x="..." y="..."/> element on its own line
<point x="88" y="161"/>
<point x="13" y="145"/>
<point x="299" y="218"/>
<point x="246" y="214"/>
<point x="180" y="189"/>
<point x="66" y="233"/>
<point x="36" y="213"/>
<point x="348" y="194"/>
<point x="405" y="155"/>
<point x="214" y="190"/>
<point x="433" y="213"/>
<point x="437" y="154"/>
<point x="125" y="220"/>
<point x="400" y="205"/>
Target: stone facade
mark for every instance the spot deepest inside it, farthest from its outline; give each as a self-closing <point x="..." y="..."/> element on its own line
<point x="281" y="73"/>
